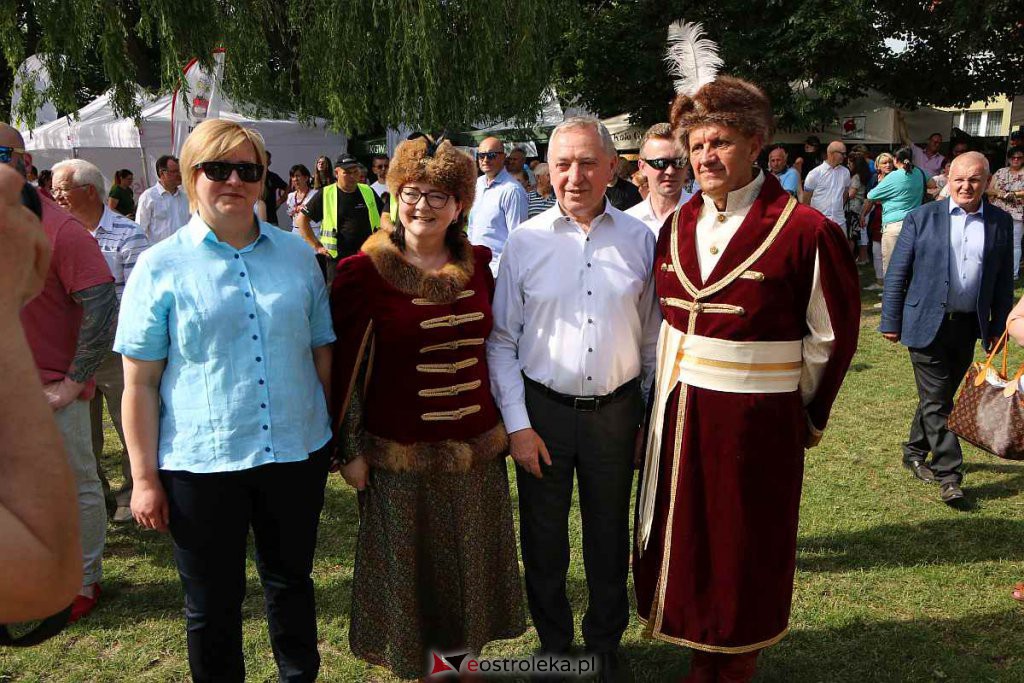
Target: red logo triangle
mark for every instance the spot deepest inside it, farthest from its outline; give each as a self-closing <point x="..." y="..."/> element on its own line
<point x="440" y="665"/>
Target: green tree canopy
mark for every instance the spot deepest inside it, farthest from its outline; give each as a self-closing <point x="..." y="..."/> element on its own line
<point x="362" y="64"/>
<point x="811" y="56"/>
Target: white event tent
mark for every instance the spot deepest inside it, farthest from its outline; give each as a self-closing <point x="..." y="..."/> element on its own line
<point x="114" y="143"/>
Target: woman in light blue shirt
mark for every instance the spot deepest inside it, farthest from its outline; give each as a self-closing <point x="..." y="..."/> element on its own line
<point x="226" y="335"/>
<point x="900" y="192"/>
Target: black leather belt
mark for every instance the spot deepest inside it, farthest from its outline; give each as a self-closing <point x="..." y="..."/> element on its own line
<point x="583" y="403"/>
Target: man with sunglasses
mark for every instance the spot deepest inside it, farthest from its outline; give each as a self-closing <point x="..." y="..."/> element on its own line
<point x="70" y="329"/>
<point x="663" y="163"/>
<point x="827" y="185"/>
<point x="501" y="202"/>
<point x="348" y="211"/>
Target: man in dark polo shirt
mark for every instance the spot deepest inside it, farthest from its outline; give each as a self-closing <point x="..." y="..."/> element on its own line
<point x="275" y="192"/>
<point x="348" y="211"/>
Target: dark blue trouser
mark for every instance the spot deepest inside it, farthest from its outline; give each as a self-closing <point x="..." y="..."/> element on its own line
<point x="210" y="517"/>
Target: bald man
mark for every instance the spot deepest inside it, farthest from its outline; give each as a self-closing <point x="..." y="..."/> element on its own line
<point x="826" y="185"/>
<point x="949" y="283"/>
<point x="501" y="202"/>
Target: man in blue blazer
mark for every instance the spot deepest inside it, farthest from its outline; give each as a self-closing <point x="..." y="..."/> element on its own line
<point x="949" y="283"/>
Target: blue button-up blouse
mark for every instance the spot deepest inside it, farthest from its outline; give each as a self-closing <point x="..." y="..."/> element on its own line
<point x="237" y="329"/>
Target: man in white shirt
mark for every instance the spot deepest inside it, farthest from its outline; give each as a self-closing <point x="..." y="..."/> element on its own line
<point x="501" y="203"/>
<point x="379" y="165"/>
<point x="163" y="208"/>
<point x="662" y="161"/>
<point x="826" y="186"/>
<point x="571" y="355"/>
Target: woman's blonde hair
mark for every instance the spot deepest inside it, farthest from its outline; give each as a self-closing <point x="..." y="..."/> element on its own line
<point x="885" y="156"/>
<point x="211" y="140"/>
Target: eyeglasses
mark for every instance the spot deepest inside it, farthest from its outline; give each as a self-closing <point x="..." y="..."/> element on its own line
<point x="662" y="164"/>
<point x="220" y="171"/>
<point x="7" y="152"/>
<point x="490" y="156"/>
<point x="65" y="190"/>
<point x="435" y="200"/>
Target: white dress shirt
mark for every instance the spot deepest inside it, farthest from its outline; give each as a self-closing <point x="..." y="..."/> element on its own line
<point x="160" y="213"/>
<point x="829" y="185"/>
<point x="379" y="187"/>
<point x="645" y="212"/>
<point x="575" y="311"/>
<point x="713" y="235"/>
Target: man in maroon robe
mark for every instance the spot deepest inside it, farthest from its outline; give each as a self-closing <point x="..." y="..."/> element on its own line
<point x="761" y="314"/>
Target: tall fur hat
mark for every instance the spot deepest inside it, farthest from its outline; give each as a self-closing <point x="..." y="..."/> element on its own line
<point x="440" y="164"/>
<point x="725" y="101"/>
<point x="705" y="98"/>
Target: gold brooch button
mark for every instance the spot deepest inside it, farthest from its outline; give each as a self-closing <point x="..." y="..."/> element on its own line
<point x="721" y="218"/>
<point x="713" y="250"/>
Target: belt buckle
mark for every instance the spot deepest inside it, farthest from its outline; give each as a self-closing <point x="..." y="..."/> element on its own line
<point x="585" y="403"/>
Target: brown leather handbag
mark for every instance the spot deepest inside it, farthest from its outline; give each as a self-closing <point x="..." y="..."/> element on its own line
<point x="989" y="411"/>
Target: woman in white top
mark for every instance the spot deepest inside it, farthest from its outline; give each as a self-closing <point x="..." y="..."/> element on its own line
<point x="301" y="192"/>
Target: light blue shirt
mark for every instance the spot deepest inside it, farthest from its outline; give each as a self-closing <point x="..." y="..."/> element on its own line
<point x="500" y="206"/>
<point x="237" y="329"/>
<point x="790" y="180"/>
<point x="967" y="249"/>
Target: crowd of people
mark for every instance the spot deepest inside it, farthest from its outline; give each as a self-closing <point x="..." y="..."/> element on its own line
<point x="583" y="316"/>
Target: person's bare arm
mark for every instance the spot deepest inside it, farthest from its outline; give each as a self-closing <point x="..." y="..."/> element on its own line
<point x="302" y="222"/>
<point x="140" y="417"/>
<point x="40" y="557"/>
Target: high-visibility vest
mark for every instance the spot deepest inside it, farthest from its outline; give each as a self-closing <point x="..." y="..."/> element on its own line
<point x="329" y="226"/>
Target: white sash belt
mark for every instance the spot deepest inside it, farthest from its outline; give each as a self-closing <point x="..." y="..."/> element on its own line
<point x="718" y="364"/>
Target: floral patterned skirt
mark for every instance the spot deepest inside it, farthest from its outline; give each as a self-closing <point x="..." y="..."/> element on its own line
<point x="436" y="567"/>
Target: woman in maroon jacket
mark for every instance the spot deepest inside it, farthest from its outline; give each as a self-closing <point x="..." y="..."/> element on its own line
<point x="419" y="434"/>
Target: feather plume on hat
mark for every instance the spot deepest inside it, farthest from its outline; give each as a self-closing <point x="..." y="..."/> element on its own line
<point x="703" y="97"/>
<point x="692" y="59"/>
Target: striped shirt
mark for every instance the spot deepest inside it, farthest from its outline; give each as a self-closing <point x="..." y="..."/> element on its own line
<point x="121" y="240"/>
<point x="539" y="204"/>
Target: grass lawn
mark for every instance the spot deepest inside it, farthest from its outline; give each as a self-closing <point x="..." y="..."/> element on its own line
<point x="891" y="584"/>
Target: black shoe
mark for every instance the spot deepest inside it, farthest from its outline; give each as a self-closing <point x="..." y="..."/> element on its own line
<point x="920" y="470"/>
<point x="951" y="493"/>
<point x="612" y="668"/>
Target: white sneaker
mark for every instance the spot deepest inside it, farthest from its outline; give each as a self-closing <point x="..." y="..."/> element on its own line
<point x="874" y="287"/>
<point x="878" y="305"/>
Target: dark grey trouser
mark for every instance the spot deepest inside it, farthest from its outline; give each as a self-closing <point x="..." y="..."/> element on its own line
<point x="598" y="446"/>
<point x="938" y="370"/>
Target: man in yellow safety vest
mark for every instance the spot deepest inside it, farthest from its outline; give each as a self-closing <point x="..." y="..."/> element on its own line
<point x="348" y="211"/>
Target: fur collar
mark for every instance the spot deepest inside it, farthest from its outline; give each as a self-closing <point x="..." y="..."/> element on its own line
<point x="440" y="286"/>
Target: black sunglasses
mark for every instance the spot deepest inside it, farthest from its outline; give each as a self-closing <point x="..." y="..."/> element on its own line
<point x="220" y="171"/>
<point x="6" y="153"/>
<point x="662" y="164"/>
<point x="490" y="156"/>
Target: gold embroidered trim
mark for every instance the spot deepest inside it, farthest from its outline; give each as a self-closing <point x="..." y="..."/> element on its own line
<point x="752" y="275"/>
<point x="736" y="272"/>
<point x="739" y="649"/>
<point x="369" y="364"/>
<point x="451" y="320"/>
<point x="464" y="294"/>
<point x="447" y="368"/>
<point x="453" y="345"/>
<point x="450" y="415"/>
<point x="697" y="307"/>
<point x="732" y="365"/>
<point x="450" y="391"/>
